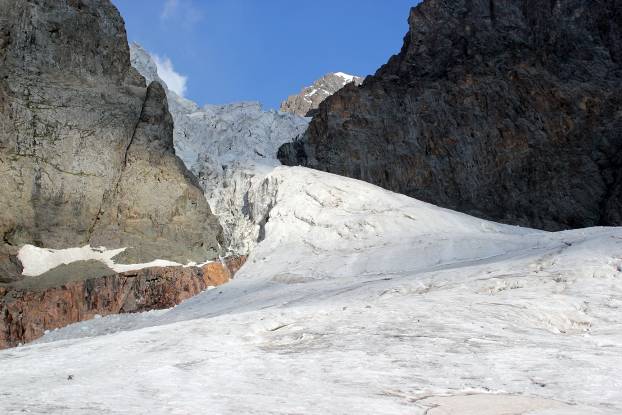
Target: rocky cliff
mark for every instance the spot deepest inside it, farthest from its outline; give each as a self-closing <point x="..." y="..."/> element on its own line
<point x="309" y="99"/>
<point x="86" y="147"/>
<point x="506" y="109"/>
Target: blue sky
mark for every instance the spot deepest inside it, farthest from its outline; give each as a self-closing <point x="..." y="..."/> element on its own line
<point x="264" y="50"/>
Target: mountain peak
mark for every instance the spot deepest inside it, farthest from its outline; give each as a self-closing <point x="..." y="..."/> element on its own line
<point x="309" y="99"/>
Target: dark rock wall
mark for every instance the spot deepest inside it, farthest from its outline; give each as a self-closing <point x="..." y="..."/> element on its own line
<point x="509" y="110"/>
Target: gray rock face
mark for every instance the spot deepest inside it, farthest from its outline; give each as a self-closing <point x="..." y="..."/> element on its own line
<point x="506" y="109"/>
<point x="309" y="99"/>
<point x="86" y="152"/>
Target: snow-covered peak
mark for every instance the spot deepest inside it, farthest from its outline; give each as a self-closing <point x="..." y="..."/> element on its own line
<point x="346" y="77"/>
<point x="309" y="99"/>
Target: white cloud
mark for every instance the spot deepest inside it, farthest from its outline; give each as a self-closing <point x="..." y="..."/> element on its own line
<point x="181" y="12"/>
<point x="170" y="6"/>
<point x="175" y="81"/>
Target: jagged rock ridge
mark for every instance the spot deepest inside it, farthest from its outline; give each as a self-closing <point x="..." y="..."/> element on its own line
<point x="86" y="148"/>
<point x="309" y="99"/>
<point x="509" y="110"/>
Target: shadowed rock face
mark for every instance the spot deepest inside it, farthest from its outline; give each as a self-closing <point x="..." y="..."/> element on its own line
<point x="86" y="148"/>
<point x="506" y="109"/>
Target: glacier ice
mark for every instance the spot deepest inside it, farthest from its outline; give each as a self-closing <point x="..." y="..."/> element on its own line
<point x="230" y="148"/>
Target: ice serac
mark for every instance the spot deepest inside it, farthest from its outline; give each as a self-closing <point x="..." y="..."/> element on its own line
<point x="86" y="150"/>
<point x="309" y="99"/>
<point x="508" y="110"/>
<point x="230" y="148"/>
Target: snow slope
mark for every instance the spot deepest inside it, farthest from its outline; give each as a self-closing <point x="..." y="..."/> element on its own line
<point x="357" y="300"/>
<point x="227" y="147"/>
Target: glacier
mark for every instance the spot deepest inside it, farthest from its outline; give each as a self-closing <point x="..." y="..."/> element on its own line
<point x="228" y="147"/>
<point x="354" y="299"/>
<point x="357" y="300"/>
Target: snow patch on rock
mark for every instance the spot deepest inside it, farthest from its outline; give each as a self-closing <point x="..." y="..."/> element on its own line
<point x="346" y="77"/>
<point x="37" y="261"/>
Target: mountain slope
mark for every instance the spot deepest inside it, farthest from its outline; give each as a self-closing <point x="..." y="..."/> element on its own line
<point x="357" y="300"/>
<point x="508" y="110"/>
<point x="353" y="300"/>
<point x="309" y="99"/>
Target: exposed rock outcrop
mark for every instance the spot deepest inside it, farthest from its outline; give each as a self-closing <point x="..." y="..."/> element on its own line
<point x="506" y="109"/>
<point x="309" y="99"/>
<point x="29" y="308"/>
<point x="86" y="148"/>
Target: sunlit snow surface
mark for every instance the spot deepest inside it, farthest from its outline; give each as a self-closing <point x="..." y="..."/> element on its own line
<point x="358" y="301"/>
<point x="37" y="261"/>
<point x="346" y="77"/>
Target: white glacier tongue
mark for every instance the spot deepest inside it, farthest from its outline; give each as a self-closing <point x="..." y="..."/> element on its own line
<point x="228" y="147"/>
<point x="358" y="300"/>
